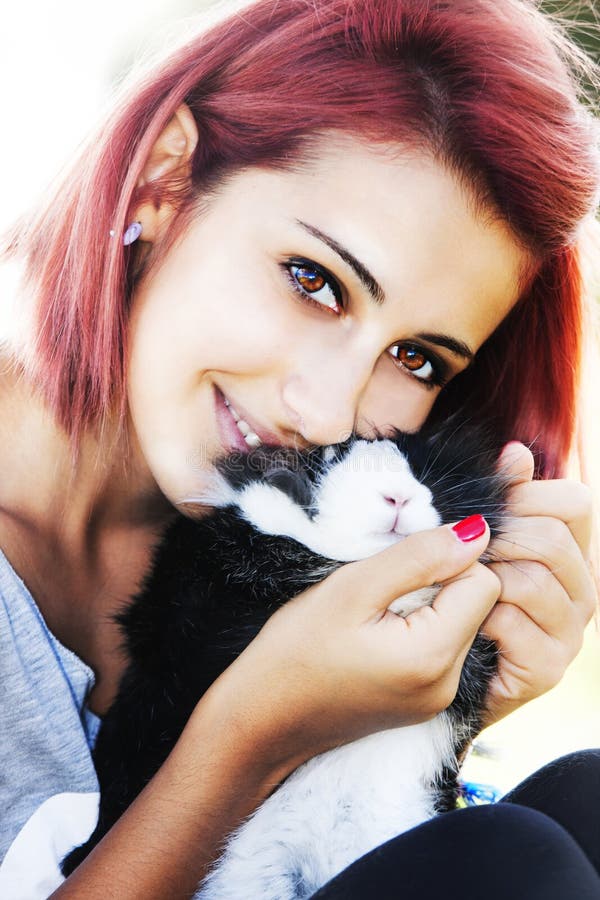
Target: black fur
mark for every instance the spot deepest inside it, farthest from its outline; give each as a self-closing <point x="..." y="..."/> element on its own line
<point x="215" y="582"/>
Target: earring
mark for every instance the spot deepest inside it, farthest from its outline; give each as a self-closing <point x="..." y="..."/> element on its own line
<point x="132" y="233"/>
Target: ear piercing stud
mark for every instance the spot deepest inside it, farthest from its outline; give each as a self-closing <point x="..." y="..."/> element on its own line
<point x="132" y="233"/>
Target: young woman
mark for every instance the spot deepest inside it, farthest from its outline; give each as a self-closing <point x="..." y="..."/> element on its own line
<point x="356" y="213"/>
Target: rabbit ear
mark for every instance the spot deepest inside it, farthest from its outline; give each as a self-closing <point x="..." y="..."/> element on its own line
<point x="295" y="483"/>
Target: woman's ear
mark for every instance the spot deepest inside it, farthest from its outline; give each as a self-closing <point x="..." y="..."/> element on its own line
<point x="170" y="156"/>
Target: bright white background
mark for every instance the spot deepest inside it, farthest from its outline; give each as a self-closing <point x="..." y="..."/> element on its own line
<point x="58" y="61"/>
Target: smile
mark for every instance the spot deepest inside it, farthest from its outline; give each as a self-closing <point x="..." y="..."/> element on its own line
<point x="235" y="429"/>
<point x="251" y="438"/>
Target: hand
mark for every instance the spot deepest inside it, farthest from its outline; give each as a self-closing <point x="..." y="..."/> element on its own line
<point x="328" y="667"/>
<point x="334" y="664"/>
<point x="548" y="594"/>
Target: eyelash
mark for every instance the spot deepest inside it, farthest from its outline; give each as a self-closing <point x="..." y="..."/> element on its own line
<point x="439" y="376"/>
<point x="299" y="262"/>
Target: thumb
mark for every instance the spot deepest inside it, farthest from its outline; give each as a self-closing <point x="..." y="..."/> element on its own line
<point x="516" y="463"/>
<point x="419" y="561"/>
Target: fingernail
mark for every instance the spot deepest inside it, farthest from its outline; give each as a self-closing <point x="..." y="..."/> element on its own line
<point x="469" y="529"/>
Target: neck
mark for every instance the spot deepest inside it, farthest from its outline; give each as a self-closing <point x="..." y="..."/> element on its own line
<point x="108" y="487"/>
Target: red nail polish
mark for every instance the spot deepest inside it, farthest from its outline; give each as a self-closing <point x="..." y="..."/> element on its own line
<point x="469" y="529"/>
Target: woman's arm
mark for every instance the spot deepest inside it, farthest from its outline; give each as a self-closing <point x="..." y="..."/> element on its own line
<point x="161" y="845"/>
<point x="328" y="667"/>
<point x="548" y="594"/>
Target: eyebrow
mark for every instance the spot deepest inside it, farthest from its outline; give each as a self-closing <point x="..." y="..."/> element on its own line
<point x="458" y="348"/>
<point x="369" y="281"/>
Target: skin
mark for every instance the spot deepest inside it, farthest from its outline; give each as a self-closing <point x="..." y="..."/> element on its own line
<point x="221" y="311"/>
<point x="311" y="373"/>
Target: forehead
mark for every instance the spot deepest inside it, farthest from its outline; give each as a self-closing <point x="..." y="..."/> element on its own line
<point x="412" y="223"/>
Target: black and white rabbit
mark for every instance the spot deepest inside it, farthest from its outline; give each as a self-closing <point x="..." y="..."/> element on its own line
<point x="284" y="520"/>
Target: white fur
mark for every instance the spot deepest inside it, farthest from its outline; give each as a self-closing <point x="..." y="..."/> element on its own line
<point x="332" y="810"/>
<point x="407" y="603"/>
<point x="216" y="492"/>
<point x="343" y="803"/>
<point x="354" y="518"/>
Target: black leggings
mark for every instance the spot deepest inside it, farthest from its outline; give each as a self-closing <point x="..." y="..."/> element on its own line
<point x="541" y="842"/>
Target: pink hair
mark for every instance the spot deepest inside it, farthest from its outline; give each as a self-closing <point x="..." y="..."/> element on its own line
<point x="480" y="84"/>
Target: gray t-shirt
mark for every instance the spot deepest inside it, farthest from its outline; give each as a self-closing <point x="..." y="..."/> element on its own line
<point x="48" y="786"/>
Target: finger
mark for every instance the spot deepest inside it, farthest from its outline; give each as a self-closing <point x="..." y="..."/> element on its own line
<point x="527" y="642"/>
<point x="419" y="561"/>
<point x="463" y="604"/>
<point x="569" y="501"/>
<point x="532" y="588"/>
<point x="441" y="634"/>
<point x="548" y="541"/>
<point x="516" y="462"/>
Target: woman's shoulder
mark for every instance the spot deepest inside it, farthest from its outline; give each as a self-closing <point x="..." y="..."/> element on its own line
<point x="32" y="659"/>
<point x="48" y="789"/>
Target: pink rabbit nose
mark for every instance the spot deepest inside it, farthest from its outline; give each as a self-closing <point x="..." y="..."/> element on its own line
<point x="399" y="502"/>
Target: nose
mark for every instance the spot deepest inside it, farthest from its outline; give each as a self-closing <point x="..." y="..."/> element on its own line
<point x="397" y="502"/>
<point x="322" y="403"/>
<point x="395" y="505"/>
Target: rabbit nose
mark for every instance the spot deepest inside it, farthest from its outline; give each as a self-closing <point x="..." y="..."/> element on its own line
<point x="398" y="502"/>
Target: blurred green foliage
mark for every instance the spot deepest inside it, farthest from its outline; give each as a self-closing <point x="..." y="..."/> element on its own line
<point x="586" y="22"/>
<point x="582" y="19"/>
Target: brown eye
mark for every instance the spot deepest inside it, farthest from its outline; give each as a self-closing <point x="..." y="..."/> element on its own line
<point x="411" y="358"/>
<point x="315" y="285"/>
<point x="310" y="280"/>
<point x="416" y="362"/>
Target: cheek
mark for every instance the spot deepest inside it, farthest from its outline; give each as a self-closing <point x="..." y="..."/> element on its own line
<point x="222" y="322"/>
<point x="394" y="399"/>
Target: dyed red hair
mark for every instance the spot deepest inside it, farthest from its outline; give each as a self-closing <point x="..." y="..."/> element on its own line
<point x="483" y="85"/>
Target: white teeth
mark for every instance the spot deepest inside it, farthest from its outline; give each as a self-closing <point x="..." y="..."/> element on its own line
<point x="251" y="438"/>
<point x="231" y="409"/>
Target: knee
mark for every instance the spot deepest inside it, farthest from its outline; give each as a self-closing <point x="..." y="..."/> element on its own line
<point x="511" y="829"/>
<point x="516" y="851"/>
<point x="571" y="779"/>
<point x="582" y="766"/>
<point x="512" y="850"/>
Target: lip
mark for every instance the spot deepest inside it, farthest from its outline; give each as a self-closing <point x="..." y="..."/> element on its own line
<point x="230" y="435"/>
<point x="231" y="438"/>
